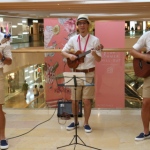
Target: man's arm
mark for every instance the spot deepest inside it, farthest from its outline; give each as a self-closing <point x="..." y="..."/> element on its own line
<point x="4" y="57"/>
<point x="137" y="54"/>
<point x="5" y="60"/>
<point x="96" y="57"/>
<point x="68" y="55"/>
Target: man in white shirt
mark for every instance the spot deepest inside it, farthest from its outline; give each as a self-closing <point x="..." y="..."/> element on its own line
<point x="84" y="42"/>
<point x="136" y="52"/>
<point x="5" y="59"/>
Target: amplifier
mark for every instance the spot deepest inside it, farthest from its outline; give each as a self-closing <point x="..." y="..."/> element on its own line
<point x="66" y="107"/>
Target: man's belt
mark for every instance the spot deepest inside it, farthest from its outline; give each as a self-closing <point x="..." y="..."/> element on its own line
<point x="85" y="70"/>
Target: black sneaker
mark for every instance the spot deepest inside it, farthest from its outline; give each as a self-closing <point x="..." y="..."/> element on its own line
<point x="72" y="126"/>
<point x="87" y="128"/>
<point x="142" y="136"/>
<point x="3" y="144"/>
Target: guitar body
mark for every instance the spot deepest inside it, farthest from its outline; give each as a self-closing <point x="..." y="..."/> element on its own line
<point x="141" y="68"/>
<point x="76" y="62"/>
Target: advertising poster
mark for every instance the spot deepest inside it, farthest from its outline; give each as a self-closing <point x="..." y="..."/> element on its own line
<point x="57" y="32"/>
<point x="110" y="92"/>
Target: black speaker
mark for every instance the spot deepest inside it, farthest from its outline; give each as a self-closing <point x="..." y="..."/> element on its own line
<point x="65" y="107"/>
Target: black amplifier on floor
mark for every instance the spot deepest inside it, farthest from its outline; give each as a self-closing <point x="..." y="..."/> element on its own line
<point x="66" y="107"/>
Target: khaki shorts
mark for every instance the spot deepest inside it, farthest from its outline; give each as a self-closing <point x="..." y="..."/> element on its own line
<point x="146" y="88"/>
<point x="1" y="86"/>
<point x="84" y="92"/>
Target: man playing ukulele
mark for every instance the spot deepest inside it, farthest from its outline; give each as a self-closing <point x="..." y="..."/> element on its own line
<point x="84" y="41"/>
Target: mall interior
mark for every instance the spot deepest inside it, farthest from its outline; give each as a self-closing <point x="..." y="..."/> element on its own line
<point x="32" y="123"/>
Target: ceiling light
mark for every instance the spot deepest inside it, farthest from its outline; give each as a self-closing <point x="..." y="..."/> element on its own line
<point x="35" y="21"/>
<point x="19" y="23"/>
<point x="24" y="21"/>
<point x="14" y="26"/>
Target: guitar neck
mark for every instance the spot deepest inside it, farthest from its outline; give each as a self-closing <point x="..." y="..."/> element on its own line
<point x="83" y="54"/>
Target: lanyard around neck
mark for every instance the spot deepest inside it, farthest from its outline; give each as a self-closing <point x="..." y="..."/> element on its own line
<point x="85" y="43"/>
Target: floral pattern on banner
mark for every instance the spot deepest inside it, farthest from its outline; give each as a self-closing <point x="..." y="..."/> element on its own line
<point x="69" y="25"/>
<point x="56" y="33"/>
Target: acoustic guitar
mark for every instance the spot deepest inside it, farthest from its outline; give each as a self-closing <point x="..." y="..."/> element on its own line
<point x="80" y="59"/>
<point x="141" y="68"/>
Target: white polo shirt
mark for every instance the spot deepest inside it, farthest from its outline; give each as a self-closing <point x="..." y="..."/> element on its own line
<point x="93" y="42"/>
<point x="5" y="49"/>
<point x="143" y="41"/>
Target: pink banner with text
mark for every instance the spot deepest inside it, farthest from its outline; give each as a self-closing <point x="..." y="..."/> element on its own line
<point x="110" y="92"/>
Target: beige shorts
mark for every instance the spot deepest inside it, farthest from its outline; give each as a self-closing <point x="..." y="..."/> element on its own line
<point x="146" y="88"/>
<point x="1" y="86"/>
<point x="84" y="92"/>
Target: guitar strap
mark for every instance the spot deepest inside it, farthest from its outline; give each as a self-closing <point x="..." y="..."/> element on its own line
<point x="85" y="43"/>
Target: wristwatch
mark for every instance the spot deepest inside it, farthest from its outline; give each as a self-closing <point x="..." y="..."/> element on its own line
<point x="3" y="58"/>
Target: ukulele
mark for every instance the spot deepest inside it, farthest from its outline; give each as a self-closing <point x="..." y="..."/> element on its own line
<point x="141" y="68"/>
<point x="80" y="59"/>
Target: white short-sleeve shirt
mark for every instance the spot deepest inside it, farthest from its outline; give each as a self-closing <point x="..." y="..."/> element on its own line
<point x="93" y="42"/>
<point x="143" y="41"/>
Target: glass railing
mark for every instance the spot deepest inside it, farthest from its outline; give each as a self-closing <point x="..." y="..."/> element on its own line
<point x="14" y="95"/>
<point x="27" y="38"/>
<point x="132" y="84"/>
<point x="30" y="38"/>
<point x="37" y="102"/>
<point x="20" y="38"/>
<point x="134" y="33"/>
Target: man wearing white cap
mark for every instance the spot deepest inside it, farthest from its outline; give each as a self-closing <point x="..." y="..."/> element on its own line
<point x="5" y="59"/>
<point x="84" y="42"/>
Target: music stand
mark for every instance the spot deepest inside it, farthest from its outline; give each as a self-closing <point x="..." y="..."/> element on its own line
<point x="75" y="79"/>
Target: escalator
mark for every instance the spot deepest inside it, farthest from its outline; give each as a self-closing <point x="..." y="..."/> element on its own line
<point x="130" y="91"/>
<point x="133" y="85"/>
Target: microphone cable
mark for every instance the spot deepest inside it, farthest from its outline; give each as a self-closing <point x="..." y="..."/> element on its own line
<point x="33" y="127"/>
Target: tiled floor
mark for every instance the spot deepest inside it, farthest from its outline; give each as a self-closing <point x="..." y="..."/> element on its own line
<point x="41" y="129"/>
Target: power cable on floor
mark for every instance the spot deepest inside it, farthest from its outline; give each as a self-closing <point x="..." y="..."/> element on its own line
<point x="34" y="127"/>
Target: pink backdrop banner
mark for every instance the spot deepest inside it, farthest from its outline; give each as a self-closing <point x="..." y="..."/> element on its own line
<point x="110" y="92"/>
<point x="57" y="31"/>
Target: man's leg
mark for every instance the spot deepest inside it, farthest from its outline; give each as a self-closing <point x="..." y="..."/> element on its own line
<point x="87" y="110"/>
<point x="76" y="95"/>
<point x="88" y="94"/>
<point x="3" y="141"/>
<point x="145" y="114"/>
<point x="75" y="109"/>
<point x="25" y="93"/>
<point x="145" y="111"/>
<point x="2" y="123"/>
